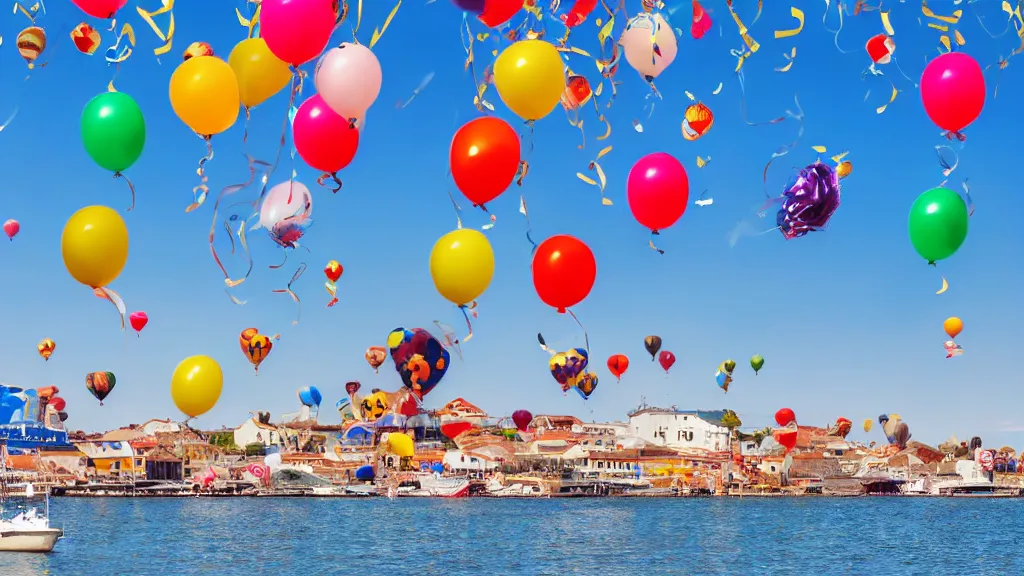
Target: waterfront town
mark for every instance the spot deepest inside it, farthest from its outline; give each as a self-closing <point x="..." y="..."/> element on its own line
<point x="459" y="450"/>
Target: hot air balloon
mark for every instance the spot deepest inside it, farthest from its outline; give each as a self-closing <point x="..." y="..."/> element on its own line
<point x="653" y="345"/>
<point x="196" y="49"/>
<point x="617" y="365"/>
<point x="419" y="358"/>
<point x="255" y="346"/>
<point x="86" y="39"/>
<point x="723" y="376"/>
<point x="58" y="403"/>
<point x="138" y="321"/>
<point x="577" y="92"/>
<point x="31" y="43"/>
<point x="756" y="362"/>
<point x="666" y="359"/>
<point x="375" y="357"/>
<point x="697" y="121"/>
<point x="586" y="385"/>
<point x="786" y="437"/>
<point x="46" y="347"/>
<point x="11" y="228"/>
<point x="880" y="48"/>
<point x="567" y="367"/>
<point x="454" y="428"/>
<point x="953" y="326"/>
<point x="522" y="419"/>
<point x="333" y="271"/>
<point x="868" y="424"/>
<point x="374" y="406"/>
<point x="100" y="384"/>
<point x="785" y="417"/>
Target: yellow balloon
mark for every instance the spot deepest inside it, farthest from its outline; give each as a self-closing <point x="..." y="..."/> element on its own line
<point x="204" y="94"/>
<point x="260" y="74"/>
<point x="530" y="78"/>
<point x="94" y="245"/>
<point x="401" y="445"/>
<point x="462" y="265"/>
<point x="196" y="385"/>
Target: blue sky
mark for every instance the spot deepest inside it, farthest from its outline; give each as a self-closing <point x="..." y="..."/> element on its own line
<point x="847" y="320"/>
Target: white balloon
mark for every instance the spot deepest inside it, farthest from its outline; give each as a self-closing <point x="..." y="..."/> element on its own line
<point x="283" y="201"/>
<point x="272" y="461"/>
<point x="638" y="40"/>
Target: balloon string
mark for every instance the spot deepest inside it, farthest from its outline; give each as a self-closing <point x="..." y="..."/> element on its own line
<point x="529" y="229"/>
<point x="131" y="188"/>
<point x="200" y="192"/>
<point x="112" y="297"/>
<point x="651" y="242"/>
<point x="288" y="290"/>
<point x="467" y="309"/>
<point x="586" y="338"/>
<point x="458" y="210"/>
<point x="333" y="176"/>
<point x="296" y="90"/>
<point x="227" y="191"/>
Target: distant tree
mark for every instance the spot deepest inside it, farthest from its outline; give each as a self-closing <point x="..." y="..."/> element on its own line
<point x="224" y="440"/>
<point x="731" y="421"/>
<point x="254" y="449"/>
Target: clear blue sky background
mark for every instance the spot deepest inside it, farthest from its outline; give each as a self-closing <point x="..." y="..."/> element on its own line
<point x="847" y="320"/>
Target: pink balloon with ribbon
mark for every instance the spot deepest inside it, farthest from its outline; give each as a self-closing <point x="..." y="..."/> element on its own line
<point x="325" y="140"/>
<point x="658" y="191"/>
<point x="100" y="8"/>
<point x="297" y="31"/>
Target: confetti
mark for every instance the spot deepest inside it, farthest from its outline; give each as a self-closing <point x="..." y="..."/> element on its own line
<point x="819" y="149"/>
<point x="117" y="53"/>
<point x="717" y="90"/>
<point x="791" y="57"/>
<point x="168" y="37"/>
<point x="945" y="286"/>
<point x="751" y="45"/>
<point x="638" y="126"/>
<point x="378" y="33"/>
<point x="702" y="162"/>
<point x="799" y="15"/>
<point x="892" y="98"/>
<point x="886" y="23"/>
<point x="602" y="181"/>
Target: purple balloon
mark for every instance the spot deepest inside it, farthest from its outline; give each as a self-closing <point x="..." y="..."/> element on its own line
<point x="476" y="6"/>
<point x="809" y="202"/>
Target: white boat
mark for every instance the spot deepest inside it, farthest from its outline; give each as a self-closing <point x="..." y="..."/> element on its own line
<point x="28" y="531"/>
<point x="971" y="478"/>
<point x="434" y="485"/>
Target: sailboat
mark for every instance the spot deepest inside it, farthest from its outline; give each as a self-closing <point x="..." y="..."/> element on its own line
<point x="27" y="531"/>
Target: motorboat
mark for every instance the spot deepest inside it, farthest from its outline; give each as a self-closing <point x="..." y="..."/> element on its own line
<point x="433" y="485"/>
<point x="28" y="530"/>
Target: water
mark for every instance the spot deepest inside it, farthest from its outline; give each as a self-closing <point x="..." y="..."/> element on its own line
<point x="634" y="537"/>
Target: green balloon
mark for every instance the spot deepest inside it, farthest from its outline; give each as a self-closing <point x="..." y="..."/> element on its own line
<point x="756" y="362"/>
<point x="113" y="130"/>
<point x="938" y="224"/>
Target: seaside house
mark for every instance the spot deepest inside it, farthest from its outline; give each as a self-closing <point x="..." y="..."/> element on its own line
<point x="460" y="409"/>
<point x="606" y="428"/>
<point x="252" y="431"/>
<point x="546" y="423"/>
<point x="680" y="429"/>
<point x="110" y="458"/>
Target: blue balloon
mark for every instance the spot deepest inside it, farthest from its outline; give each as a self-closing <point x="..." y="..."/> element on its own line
<point x="720" y="378"/>
<point x="310" y="396"/>
<point x="438" y="467"/>
<point x="365" y="473"/>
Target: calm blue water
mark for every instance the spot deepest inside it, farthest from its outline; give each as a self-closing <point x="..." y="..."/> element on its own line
<point x="312" y="537"/>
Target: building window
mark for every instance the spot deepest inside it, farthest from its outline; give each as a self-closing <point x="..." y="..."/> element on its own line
<point x="138" y="461"/>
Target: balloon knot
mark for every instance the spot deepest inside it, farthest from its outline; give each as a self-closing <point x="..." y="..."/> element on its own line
<point x="932" y="263"/>
<point x="561" y="310"/>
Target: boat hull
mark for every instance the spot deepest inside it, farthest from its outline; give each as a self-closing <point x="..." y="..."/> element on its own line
<point x="16" y="540"/>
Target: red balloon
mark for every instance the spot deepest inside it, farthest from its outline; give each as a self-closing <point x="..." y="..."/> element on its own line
<point x="618" y="364"/>
<point x="785" y="417"/>
<point x="522" y="419"/>
<point x="666" y="359"/>
<point x="138" y="320"/>
<point x="325" y="140"/>
<point x="484" y="158"/>
<point x="453" y="429"/>
<point x="953" y="90"/>
<point x="58" y="403"/>
<point x="786" y="438"/>
<point x="564" y="271"/>
<point x="497" y="12"/>
<point x="658" y="191"/>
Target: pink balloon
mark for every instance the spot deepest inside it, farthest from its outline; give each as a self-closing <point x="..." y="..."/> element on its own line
<point x="287" y="199"/>
<point x="953" y="91"/>
<point x="325" y="140"/>
<point x="100" y="8"/>
<point x="11" y="228"/>
<point x="297" y="31"/>
<point x="349" y="77"/>
<point x="138" y="320"/>
<point x="658" y="191"/>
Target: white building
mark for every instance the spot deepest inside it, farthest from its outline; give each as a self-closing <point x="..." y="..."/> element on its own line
<point x="680" y="429"/>
<point x="606" y="428"/>
<point x="252" y="431"/>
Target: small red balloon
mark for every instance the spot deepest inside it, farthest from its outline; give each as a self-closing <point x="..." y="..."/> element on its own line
<point x="138" y="320"/>
<point x="497" y="12"/>
<point x="953" y="90"/>
<point x="658" y="191"/>
<point x="564" y="271"/>
<point x="785" y="417"/>
<point x="484" y="158"/>
<point x="58" y="403"/>
<point x="522" y="419"/>
<point x="786" y="438"/>
<point x="325" y="140"/>
<point x="11" y="228"/>
<point x="618" y="364"/>
<point x="453" y="429"/>
<point x="666" y="359"/>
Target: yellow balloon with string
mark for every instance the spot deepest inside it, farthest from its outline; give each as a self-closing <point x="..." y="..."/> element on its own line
<point x="196" y="385"/>
<point x="260" y="74"/>
<point x="530" y="78"/>
<point x="94" y="245"/>
<point x="462" y="265"/>
<point x="204" y="94"/>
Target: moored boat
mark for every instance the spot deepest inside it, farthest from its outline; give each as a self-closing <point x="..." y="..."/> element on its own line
<point x="433" y="485"/>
